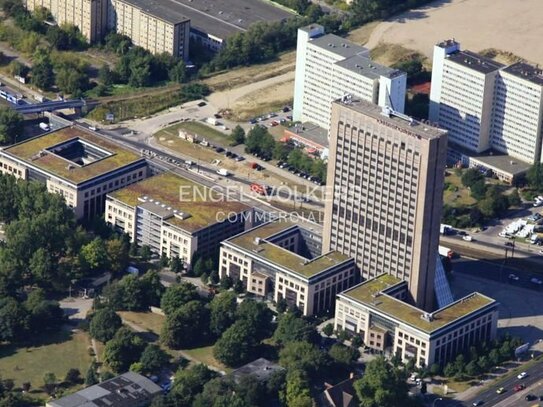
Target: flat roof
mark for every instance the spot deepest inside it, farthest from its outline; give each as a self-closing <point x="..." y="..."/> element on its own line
<point x="166" y="10"/>
<point x="168" y="195"/>
<point x="527" y="72"/>
<point x="254" y="241"/>
<point x="126" y="390"/>
<point x="475" y="61"/>
<point x="222" y="18"/>
<point x="372" y="294"/>
<point x="312" y="132"/>
<point x="493" y="159"/>
<point x="339" y="45"/>
<point x="394" y="119"/>
<point x="366" y="67"/>
<point x="262" y="369"/>
<point x="34" y="153"/>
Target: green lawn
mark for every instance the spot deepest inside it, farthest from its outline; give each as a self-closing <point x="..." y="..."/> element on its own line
<point x="205" y="355"/>
<point x="455" y="194"/>
<point x="146" y="320"/>
<point x="60" y="352"/>
<point x="202" y="130"/>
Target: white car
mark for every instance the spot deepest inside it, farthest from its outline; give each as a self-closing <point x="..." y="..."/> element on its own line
<point x="537" y="281"/>
<point x="522" y="375"/>
<point x="467" y="238"/>
<point x="513" y="277"/>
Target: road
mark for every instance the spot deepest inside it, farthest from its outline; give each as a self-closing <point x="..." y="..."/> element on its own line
<point x="510" y="397"/>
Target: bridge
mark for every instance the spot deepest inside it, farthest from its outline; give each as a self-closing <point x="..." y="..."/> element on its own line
<point x="50" y="106"/>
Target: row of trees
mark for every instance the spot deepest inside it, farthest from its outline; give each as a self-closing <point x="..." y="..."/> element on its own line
<point x="11" y="125"/>
<point x="259" y="141"/>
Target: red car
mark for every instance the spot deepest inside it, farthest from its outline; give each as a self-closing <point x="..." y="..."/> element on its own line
<point x="519" y="387"/>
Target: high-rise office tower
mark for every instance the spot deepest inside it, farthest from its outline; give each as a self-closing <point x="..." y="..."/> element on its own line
<point x="384" y="205"/>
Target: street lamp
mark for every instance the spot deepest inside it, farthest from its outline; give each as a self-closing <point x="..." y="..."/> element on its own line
<point x="436" y="400"/>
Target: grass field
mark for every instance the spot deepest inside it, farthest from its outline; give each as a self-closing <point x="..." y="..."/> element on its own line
<point x="146" y="320"/>
<point x="60" y="352"/>
<point x="202" y="130"/>
<point x="205" y="356"/>
<point x="455" y="194"/>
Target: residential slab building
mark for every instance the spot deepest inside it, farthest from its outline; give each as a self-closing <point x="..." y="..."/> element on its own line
<point x="77" y="164"/>
<point x="176" y="217"/>
<point x="486" y="106"/>
<point x="329" y="67"/>
<point x="129" y="389"/>
<point x="282" y="260"/>
<point x="90" y="16"/>
<point x="376" y="311"/>
<point x="384" y="202"/>
<point x="156" y="25"/>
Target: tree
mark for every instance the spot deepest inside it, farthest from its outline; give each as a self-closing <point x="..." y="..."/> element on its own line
<point x="534" y="176"/>
<point x="124" y="349"/>
<point x="153" y="358"/>
<point x="236" y="345"/>
<point x="471" y="176"/>
<point x="194" y="91"/>
<point x="494" y="357"/>
<point x="178" y="295"/>
<point x="226" y="282"/>
<point x="42" y="71"/>
<point x="199" y="267"/>
<point x="93" y="256"/>
<point x="223" y="312"/>
<point x="187" y="326"/>
<point x="106" y="76"/>
<point x="237" y="136"/>
<point x="188" y="383"/>
<point x="297" y="388"/>
<point x="303" y="356"/>
<point x="16" y="68"/>
<point x="49" y="383"/>
<point x="382" y="385"/>
<point x="145" y="253"/>
<point x="343" y="355"/>
<point x="478" y="189"/>
<point x="282" y="305"/>
<point x="13" y="320"/>
<point x="117" y="255"/>
<point x="11" y="125"/>
<point x="91" y="377"/>
<point x="472" y="368"/>
<point x="291" y="328"/>
<point x="104" y="324"/>
<point x="435" y="369"/>
<point x="449" y="370"/>
<point x="73" y="376"/>
<point x="328" y="330"/>
<point x="177" y="73"/>
<point x="72" y="81"/>
<point x="257" y="315"/>
<point x="153" y="290"/>
<point x="238" y="287"/>
<point x="514" y="198"/>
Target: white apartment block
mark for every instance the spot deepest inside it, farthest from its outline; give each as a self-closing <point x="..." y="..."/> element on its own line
<point x="376" y="312"/>
<point x="329" y="67"/>
<point x="153" y="25"/>
<point x="175" y="217"/>
<point x="283" y="260"/>
<point x="486" y="105"/>
<point x="89" y="15"/>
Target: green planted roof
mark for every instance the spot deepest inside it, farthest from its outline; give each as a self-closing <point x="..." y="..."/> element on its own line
<point x="255" y="241"/>
<point x="203" y="206"/>
<point x="370" y="294"/>
<point x="29" y="151"/>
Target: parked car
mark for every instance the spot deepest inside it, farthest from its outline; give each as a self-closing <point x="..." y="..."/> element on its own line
<point x="219" y="149"/>
<point x="477" y="403"/>
<point x="467" y="238"/>
<point x="529" y="397"/>
<point x="537" y="281"/>
<point x="513" y="277"/>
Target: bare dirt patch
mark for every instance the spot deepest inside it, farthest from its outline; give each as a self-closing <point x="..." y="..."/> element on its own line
<point x="511" y="26"/>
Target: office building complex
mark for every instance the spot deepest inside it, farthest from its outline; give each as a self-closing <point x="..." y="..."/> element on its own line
<point x="487" y="106"/>
<point x="283" y="260"/>
<point x="176" y="217"/>
<point x="384" y="206"/>
<point x="77" y="164"/>
<point x="89" y="15"/>
<point x="156" y="25"/>
<point x="376" y="311"/>
<point x="328" y="67"/>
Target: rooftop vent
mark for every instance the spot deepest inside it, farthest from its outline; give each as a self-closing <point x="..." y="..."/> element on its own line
<point x="257" y="240"/>
<point x="427" y="316"/>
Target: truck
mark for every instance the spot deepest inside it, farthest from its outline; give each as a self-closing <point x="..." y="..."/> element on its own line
<point x="223" y="171"/>
<point x="445" y="229"/>
<point x="446" y="252"/>
<point x="44" y="126"/>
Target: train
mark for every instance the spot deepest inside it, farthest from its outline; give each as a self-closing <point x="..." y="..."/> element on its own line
<point x="9" y="97"/>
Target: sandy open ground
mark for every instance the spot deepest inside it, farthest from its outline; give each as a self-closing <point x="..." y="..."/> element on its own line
<point x="509" y="25"/>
